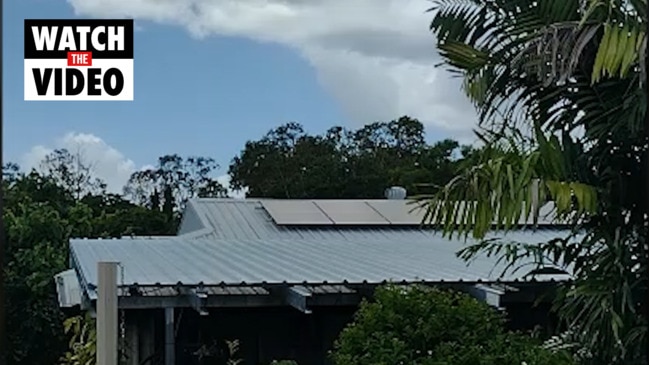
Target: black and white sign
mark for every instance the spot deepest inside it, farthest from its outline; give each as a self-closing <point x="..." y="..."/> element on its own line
<point x="81" y="59"/>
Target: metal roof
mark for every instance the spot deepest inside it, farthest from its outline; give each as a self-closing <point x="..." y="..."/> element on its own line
<point x="191" y="261"/>
<point x="247" y="219"/>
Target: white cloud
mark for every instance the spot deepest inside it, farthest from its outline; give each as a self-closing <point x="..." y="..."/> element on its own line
<point x="108" y="164"/>
<point x="376" y="57"/>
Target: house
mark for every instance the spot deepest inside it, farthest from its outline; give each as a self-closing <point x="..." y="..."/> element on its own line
<point x="283" y="277"/>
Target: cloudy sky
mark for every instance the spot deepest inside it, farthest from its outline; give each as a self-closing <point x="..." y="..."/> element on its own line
<point x="212" y="74"/>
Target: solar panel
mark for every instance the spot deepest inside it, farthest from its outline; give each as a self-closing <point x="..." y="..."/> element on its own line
<point x="356" y="212"/>
<point x="351" y="212"/>
<point x="295" y="212"/>
<point x="398" y="212"/>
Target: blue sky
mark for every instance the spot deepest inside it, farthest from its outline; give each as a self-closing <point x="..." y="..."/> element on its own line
<point x="205" y="96"/>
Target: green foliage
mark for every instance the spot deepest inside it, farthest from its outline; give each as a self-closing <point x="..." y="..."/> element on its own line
<point x="343" y="164"/>
<point x="569" y="342"/>
<point x="507" y="183"/>
<point x="424" y="326"/>
<point x="623" y="42"/>
<point x="36" y="251"/>
<point x="70" y="171"/>
<point x="82" y="347"/>
<point x="41" y="213"/>
<point x="573" y="73"/>
<point x="173" y="181"/>
<point x="233" y="352"/>
<point x="83" y="341"/>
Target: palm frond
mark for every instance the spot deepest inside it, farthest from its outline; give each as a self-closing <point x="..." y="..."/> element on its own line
<point x="505" y="186"/>
<point x="620" y="50"/>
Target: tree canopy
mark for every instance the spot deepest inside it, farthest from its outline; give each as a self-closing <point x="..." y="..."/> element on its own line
<point x="289" y="163"/>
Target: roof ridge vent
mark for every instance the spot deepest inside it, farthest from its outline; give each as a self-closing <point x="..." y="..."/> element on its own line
<point x="396" y="193"/>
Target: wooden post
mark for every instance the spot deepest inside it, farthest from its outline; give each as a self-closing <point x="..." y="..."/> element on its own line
<point x="107" y="313"/>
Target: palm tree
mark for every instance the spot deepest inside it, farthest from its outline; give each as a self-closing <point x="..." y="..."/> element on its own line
<point x="560" y="90"/>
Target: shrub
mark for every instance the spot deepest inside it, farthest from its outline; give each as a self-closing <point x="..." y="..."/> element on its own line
<point x="417" y="325"/>
<point x="83" y="342"/>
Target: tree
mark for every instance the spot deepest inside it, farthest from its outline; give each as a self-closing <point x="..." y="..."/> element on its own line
<point x="382" y="154"/>
<point x="173" y="181"/>
<point x="111" y="215"/>
<point x="40" y="216"/>
<point x="36" y="252"/>
<point x="572" y="73"/>
<point x="425" y="326"/>
<point x="71" y="171"/>
<point x="10" y="171"/>
<point x="435" y="164"/>
<point x="289" y="163"/>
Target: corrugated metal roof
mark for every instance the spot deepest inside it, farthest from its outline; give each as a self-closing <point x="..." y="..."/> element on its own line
<point x="307" y="260"/>
<point x="247" y="219"/>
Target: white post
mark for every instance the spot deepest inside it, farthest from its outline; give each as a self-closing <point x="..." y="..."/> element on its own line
<point x="107" y="313"/>
<point x="170" y="338"/>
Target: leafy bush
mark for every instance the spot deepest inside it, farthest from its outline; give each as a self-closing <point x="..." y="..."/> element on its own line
<point x="233" y="351"/>
<point x="83" y="342"/>
<point x="424" y="326"/>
